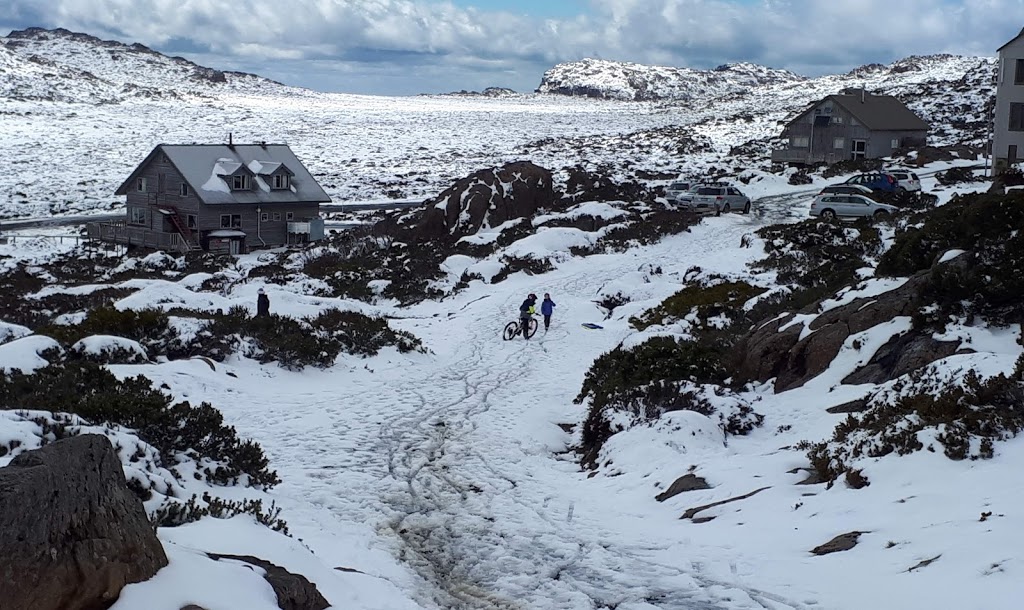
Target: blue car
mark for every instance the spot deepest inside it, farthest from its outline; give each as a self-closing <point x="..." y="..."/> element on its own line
<point x="877" y="181"/>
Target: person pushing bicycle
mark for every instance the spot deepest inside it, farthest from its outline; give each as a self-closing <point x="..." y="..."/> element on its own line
<point x="526" y="313"/>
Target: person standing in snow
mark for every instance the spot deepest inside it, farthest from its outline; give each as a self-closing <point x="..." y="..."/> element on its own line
<point x="526" y="313"/>
<point x="262" y="304"/>
<point x="547" y="307"/>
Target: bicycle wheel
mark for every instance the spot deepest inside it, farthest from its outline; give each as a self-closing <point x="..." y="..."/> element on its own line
<point x="531" y="328"/>
<point x="510" y="332"/>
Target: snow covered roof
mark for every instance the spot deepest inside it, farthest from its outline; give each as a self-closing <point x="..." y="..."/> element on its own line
<point x="203" y="166"/>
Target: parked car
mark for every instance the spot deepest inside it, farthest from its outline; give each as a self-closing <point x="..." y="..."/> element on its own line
<point x="846" y="189"/>
<point x="674" y="190"/>
<point x="876" y="181"/>
<point x="715" y="199"/>
<point x="907" y="180"/>
<point x="830" y="206"/>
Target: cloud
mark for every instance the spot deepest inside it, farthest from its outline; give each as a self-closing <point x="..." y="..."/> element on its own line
<point x="367" y="35"/>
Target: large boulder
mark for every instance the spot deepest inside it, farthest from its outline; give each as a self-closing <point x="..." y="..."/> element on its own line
<point x="72" y="535"/>
<point x="487" y="198"/>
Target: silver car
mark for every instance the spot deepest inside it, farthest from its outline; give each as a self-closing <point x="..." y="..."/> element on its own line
<point x="716" y="199"/>
<point x="830" y="206"/>
<point x="674" y="190"/>
<point x="908" y="181"/>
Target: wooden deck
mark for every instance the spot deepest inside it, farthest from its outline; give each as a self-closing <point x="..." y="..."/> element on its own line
<point x="119" y="232"/>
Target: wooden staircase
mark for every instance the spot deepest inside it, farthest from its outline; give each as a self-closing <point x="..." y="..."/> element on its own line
<point x="181" y="225"/>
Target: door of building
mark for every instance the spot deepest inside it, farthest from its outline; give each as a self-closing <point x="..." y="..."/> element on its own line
<point x="859" y="150"/>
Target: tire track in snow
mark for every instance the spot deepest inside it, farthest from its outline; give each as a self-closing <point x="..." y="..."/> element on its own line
<point x="487" y="536"/>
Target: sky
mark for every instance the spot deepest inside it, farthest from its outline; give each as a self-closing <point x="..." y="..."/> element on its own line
<point x="405" y="47"/>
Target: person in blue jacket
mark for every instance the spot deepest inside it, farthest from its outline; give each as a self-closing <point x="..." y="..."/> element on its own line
<point x="547" y="307"/>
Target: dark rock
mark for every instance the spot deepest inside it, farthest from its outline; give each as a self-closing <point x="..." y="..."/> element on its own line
<point x="843" y="542"/>
<point x="294" y="591"/>
<point x="901" y="355"/>
<point x="192" y="607"/>
<point x="490" y="197"/>
<point x="764" y="350"/>
<point x="692" y="512"/>
<point x="854" y="406"/>
<point x="685" y="483"/>
<point x="72" y="535"/>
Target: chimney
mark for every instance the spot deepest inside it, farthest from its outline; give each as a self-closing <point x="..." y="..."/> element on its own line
<point x="862" y="94"/>
<point x="231" y="143"/>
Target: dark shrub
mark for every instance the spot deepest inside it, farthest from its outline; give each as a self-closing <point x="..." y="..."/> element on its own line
<point x="710" y="300"/>
<point x="967" y="415"/>
<point x="147" y="326"/>
<point x="93" y="393"/>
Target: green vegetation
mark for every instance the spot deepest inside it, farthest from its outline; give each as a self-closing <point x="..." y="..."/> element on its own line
<point x="966" y="416"/>
<point x="174" y="429"/>
<point x="709" y="300"/>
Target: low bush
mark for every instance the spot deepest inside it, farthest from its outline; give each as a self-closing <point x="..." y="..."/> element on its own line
<point x="956" y="175"/>
<point x="964" y="417"/>
<point x="173" y="513"/>
<point x="150" y="327"/>
<point x="174" y="429"/>
<point x="706" y="300"/>
<point x="851" y="166"/>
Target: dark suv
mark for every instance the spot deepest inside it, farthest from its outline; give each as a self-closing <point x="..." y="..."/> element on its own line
<point x="876" y="181"/>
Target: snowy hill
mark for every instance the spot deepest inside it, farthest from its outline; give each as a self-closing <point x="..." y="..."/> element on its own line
<point x="59" y="65"/>
<point x="630" y="81"/>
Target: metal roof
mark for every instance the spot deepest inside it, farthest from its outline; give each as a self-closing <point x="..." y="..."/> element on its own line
<point x="203" y="166"/>
<point x="880" y="112"/>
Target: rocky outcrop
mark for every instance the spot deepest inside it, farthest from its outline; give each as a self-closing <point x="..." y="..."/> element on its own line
<point x="294" y="591"/>
<point x="487" y="198"/>
<point x="901" y="355"/>
<point x="842" y="542"/>
<point x="769" y="352"/>
<point x="71" y="533"/>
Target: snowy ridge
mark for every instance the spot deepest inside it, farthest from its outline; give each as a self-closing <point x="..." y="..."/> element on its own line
<point x="630" y="81"/>
<point x="111" y="71"/>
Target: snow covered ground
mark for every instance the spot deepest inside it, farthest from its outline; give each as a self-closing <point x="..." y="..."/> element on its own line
<point x="444" y="478"/>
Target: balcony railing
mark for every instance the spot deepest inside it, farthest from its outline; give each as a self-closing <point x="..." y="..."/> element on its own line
<point x="119" y="232"/>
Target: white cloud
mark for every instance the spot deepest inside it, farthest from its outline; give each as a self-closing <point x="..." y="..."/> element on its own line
<point x="815" y="35"/>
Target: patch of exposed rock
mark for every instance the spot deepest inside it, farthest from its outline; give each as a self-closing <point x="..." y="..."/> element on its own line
<point x="487" y="198"/>
<point x="294" y="591"/>
<point x="72" y="535"/>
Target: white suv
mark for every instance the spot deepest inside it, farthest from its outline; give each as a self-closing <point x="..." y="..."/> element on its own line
<point x="908" y="181"/>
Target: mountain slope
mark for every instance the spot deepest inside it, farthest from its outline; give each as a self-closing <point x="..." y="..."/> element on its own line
<point x="65" y="66"/>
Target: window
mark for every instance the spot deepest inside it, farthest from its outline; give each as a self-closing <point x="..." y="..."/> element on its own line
<point x="837" y="119"/>
<point x="240" y="183"/>
<point x="264" y="217"/>
<point x="799" y="141"/>
<point x="839" y="143"/>
<point x="280" y="181"/>
<point x="192" y="221"/>
<point x="140" y="184"/>
<point x="895" y="143"/>
<point x="137" y="216"/>
<point x="277" y="215"/>
<point x="183" y="190"/>
<point x="290" y="216"/>
<point x="1016" y="117"/>
<point x="1018" y="77"/>
<point x="230" y="221"/>
<point x="161" y="182"/>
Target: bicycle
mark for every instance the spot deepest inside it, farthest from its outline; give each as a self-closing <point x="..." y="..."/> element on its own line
<point x="513" y="330"/>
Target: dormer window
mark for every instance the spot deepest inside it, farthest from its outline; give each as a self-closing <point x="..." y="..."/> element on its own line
<point x="240" y="183"/>
<point x="280" y="181"/>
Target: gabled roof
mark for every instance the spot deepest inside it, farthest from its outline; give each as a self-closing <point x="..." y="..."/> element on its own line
<point x="1011" y="41"/>
<point x="204" y="165"/>
<point x="876" y="112"/>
